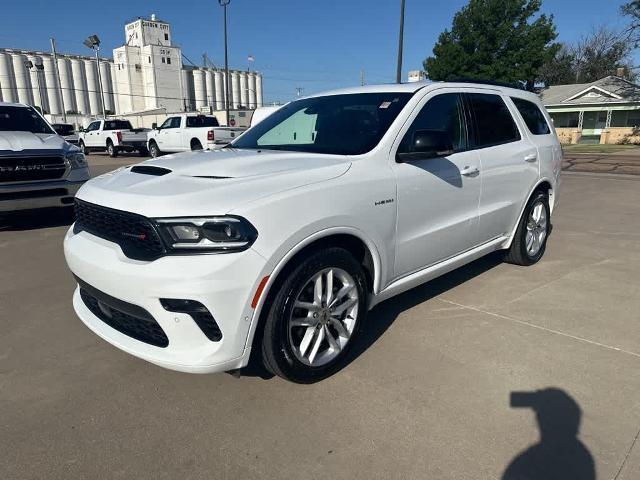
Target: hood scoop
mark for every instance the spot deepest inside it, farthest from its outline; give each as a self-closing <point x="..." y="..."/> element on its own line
<point x="150" y="170"/>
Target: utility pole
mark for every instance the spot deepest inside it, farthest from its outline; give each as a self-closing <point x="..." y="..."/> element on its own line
<point x="362" y="78"/>
<point x="104" y="111"/>
<point x="400" y="39"/>
<point x="223" y="4"/>
<point x="55" y="62"/>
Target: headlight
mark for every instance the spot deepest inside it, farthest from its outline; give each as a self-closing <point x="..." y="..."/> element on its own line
<point x="76" y="159"/>
<point x="207" y="234"/>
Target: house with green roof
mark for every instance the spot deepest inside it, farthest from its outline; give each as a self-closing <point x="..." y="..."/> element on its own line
<point x="604" y="111"/>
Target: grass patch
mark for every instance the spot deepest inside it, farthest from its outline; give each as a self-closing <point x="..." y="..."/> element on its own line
<point x="597" y="148"/>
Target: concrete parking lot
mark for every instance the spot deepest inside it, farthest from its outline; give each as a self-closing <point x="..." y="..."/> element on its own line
<point x="426" y="395"/>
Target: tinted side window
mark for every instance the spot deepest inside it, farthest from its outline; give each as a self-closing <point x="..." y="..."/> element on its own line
<point x="93" y="126"/>
<point x="532" y="116"/>
<point x="442" y="113"/>
<point x="493" y="122"/>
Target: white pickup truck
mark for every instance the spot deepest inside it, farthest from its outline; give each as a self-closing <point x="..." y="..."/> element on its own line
<point x="185" y="132"/>
<point x="38" y="168"/>
<point x="113" y="136"/>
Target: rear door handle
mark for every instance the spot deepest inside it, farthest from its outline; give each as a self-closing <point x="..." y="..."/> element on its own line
<point x="532" y="157"/>
<point x="469" y="171"/>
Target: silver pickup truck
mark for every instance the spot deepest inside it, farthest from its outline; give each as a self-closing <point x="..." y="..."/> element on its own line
<point x="37" y="167"/>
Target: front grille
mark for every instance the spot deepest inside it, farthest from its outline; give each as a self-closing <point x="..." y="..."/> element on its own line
<point x="30" y="168"/>
<point x="129" y="319"/>
<point x="135" y="234"/>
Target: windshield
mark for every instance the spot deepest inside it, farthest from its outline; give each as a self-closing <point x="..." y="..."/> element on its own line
<point x="349" y="124"/>
<point x="117" y="125"/>
<point x="22" y="119"/>
<point x="63" y="129"/>
<point x="202" y="121"/>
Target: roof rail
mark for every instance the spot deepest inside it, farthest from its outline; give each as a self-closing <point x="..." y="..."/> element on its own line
<point x="452" y="78"/>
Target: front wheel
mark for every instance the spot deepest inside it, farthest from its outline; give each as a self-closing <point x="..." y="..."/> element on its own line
<point x="112" y="150"/>
<point x="315" y="316"/>
<point x="530" y="240"/>
<point x="83" y="148"/>
<point x="154" y="150"/>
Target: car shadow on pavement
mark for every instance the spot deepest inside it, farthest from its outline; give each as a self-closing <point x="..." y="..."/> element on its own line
<point x="383" y="315"/>
<point x="36" y="219"/>
<point x="559" y="454"/>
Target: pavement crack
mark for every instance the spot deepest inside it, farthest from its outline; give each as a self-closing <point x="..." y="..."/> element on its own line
<point x="545" y="329"/>
<point x="626" y="457"/>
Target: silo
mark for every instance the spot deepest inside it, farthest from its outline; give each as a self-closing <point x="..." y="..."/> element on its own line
<point x="244" y="94"/>
<point x="51" y="81"/>
<point x="93" y="87"/>
<point x="187" y="90"/>
<point x="258" y="90"/>
<point x="114" y="87"/>
<point x="7" y="79"/>
<point x="105" y="75"/>
<point x="66" y="82"/>
<point x="23" y="78"/>
<point x="80" y="85"/>
<point x="211" y="94"/>
<point x="252" y="90"/>
<point x="37" y="83"/>
<point x="200" y="89"/>
<point x="219" y="88"/>
<point x="235" y="89"/>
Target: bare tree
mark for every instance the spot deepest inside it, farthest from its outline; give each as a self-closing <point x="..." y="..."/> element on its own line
<point x="631" y="10"/>
<point x="594" y="56"/>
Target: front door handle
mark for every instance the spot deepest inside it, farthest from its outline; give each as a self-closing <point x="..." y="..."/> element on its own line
<point x="532" y="157"/>
<point x="469" y="171"/>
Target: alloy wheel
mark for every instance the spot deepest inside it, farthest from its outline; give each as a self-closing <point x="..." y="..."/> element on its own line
<point x="536" y="229"/>
<point x="323" y="317"/>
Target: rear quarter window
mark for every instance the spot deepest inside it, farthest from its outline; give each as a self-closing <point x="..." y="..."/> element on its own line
<point x="493" y="124"/>
<point x="532" y="116"/>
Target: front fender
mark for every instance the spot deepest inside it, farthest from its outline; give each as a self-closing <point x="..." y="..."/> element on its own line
<point x="278" y="261"/>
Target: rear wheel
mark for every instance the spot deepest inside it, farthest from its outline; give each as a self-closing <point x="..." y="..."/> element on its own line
<point x="530" y="240"/>
<point x="315" y="316"/>
<point x="154" y="150"/>
<point x="111" y="149"/>
<point x="196" y="145"/>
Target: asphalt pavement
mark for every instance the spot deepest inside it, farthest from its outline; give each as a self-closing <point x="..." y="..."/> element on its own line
<point x="429" y="393"/>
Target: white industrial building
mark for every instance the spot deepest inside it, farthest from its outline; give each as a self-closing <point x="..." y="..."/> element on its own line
<point x="145" y="75"/>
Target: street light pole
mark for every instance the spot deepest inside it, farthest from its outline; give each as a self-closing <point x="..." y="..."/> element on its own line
<point x="400" y="39"/>
<point x="223" y="4"/>
<point x="29" y="64"/>
<point x="104" y="111"/>
<point x="93" y="42"/>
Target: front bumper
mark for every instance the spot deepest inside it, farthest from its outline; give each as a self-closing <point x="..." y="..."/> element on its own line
<point x="55" y="193"/>
<point x="223" y="283"/>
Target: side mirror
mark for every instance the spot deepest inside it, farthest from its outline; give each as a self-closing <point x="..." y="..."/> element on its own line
<point x="154" y="126"/>
<point x="428" y="144"/>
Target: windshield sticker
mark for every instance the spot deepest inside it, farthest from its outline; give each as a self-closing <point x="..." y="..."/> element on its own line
<point x="384" y="105"/>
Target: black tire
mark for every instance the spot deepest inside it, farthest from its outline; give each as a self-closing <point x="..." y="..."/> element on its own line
<point x="83" y="147"/>
<point x="277" y="351"/>
<point x="518" y="253"/>
<point x="196" y="145"/>
<point x="143" y="152"/>
<point x="112" y="150"/>
<point x="154" y="150"/>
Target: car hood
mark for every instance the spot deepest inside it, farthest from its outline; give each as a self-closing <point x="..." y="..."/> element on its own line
<point x="208" y="182"/>
<point x="19" y="141"/>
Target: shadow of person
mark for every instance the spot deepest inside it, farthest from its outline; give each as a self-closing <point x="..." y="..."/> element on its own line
<point x="559" y="454"/>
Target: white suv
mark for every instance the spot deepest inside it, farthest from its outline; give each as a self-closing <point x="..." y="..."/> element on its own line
<point x="284" y="240"/>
